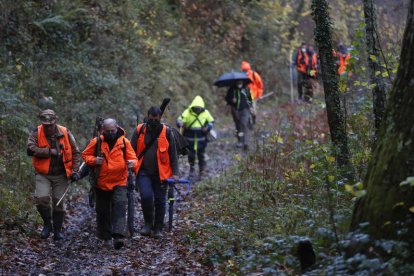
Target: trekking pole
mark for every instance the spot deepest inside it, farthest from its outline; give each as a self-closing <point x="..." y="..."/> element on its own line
<point x="67" y="188"/>
<point x="171" y="198"/>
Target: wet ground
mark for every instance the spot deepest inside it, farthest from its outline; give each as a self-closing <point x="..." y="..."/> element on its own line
<point x="81" y="253"/>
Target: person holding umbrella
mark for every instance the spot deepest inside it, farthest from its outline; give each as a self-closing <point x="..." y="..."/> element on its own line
<point x="239" y="99"/>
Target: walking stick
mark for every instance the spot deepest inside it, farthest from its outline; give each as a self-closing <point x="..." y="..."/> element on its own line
<point x="67" y="188"/>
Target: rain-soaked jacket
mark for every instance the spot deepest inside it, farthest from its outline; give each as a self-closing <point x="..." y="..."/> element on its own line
<point x="256" y="86"/>
<point x="114" y="170"/>
<point x="194" y="123"/>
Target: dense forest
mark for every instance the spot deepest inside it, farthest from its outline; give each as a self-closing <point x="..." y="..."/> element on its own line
<point x="327" y="185"/>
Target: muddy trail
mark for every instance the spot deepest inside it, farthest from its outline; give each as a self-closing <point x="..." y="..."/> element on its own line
<point x="81" y="253"/>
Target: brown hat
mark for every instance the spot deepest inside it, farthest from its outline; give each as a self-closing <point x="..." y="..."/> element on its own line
<point x="47" y="117"/>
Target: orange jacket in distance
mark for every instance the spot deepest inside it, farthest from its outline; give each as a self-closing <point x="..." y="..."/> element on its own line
<point x="42" y="165"/>
<point x="256" y="86"/>
<point x="114" y="170"/>
<point x="343" y="62"/>
<point x="163" y="157"/>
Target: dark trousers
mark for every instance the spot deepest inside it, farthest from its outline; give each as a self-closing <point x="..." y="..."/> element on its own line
<point x="200" y="152"/>
<point x="153" y="198"/>
<point x="110" y="212"/>
<point x="302" y="82"/>
<point x="241" y="120"/>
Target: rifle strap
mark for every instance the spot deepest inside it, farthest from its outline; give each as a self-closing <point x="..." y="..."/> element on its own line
<point x="147" y="146"/>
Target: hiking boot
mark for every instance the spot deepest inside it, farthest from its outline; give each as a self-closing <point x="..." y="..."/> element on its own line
<point x="145" y="230"/>
<point x="47" y="221"/>
<point x="57" y="225"/>
<point x="157" y="233"/>
<point x="58" y="235"/>
<point x="118" y="243"/>
<point x="47" y="229"/>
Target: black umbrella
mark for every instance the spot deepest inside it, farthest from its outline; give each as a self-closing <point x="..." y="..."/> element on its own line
<point x="229" y="79"/>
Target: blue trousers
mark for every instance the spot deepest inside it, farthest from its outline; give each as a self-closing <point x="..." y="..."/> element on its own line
<point x="153" y="198"/>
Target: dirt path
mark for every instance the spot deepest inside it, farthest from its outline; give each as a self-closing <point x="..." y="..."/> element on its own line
<point x="81" y="253"/>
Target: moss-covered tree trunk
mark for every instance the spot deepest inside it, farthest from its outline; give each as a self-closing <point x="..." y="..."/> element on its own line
<point x="375" y="70"/>
<point x="386" y="204"/>
<point x="336" y="121"/>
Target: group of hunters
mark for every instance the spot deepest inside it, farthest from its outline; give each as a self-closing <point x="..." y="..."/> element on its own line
<point x="151" y="154"/>
<point x="306" y="63"/>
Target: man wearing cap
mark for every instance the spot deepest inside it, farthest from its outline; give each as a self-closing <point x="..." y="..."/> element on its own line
<point x="56" y="159"/>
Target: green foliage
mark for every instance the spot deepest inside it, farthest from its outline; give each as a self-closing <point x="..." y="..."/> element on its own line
<point x="254" y="216"/>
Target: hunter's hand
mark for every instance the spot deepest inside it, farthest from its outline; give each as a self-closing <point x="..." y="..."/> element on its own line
<point x="98" y="160"/>
<point x="176" y="178"/>
<point x="130" y="164"/>
<point x="205" y="129"/>
<point x="74" y="177"/>
<point x="53" y="152"/>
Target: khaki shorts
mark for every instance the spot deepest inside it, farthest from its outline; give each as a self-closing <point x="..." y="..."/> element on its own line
<point x="45" y="184"/>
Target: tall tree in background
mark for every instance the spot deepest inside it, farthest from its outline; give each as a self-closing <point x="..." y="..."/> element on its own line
<point x="334" y="109"/>
<point x="386" y="205"/>
<point x="375" y="70"/>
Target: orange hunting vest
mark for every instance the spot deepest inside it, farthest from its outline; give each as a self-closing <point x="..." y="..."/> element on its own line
<point x="164" y="166"/>
<point x="300" y="66"/>
<point x="41" y="165"/>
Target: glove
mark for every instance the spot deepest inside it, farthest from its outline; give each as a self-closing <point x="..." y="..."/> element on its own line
<point x="312" y="73"/>
<point x="74" y="177"/>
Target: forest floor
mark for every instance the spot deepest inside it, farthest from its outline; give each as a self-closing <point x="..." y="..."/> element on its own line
<point x="81" y="253"/>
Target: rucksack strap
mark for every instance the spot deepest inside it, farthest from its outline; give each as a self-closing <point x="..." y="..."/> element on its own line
<point x="148" y="145"/>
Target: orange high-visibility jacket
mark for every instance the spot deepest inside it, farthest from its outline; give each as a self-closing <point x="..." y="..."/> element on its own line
<point x="343" y="62"/>
<point x="256" y="86"/>
<point x="163" y="157"/>
<point x="114" y="170"/>
<point x="302" y="62"/>
<point x="42" y="165"/>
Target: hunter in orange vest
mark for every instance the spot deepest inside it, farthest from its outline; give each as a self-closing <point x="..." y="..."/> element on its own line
<point x="56" y="158"/>
<point x="154" y="146"/>
<point x="116" y="156"/>
<point x="301" y="63"/>
<point x="343" y="59"/>
<point x="256" y="86"/>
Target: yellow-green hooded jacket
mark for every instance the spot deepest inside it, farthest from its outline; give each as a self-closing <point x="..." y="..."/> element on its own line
<point x="193" y="124"/>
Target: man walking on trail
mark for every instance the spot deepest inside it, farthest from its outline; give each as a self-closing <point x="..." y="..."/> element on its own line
<point x="56" y="158"/>
<point x="256" y="86"/>
<point x="302" y="63"/>
<point x="343" y="60"/>
<point x="196" y="122"/>
<point x="116" y="156"/>
<point x="240" y="101"/>
<point x="154" y="146"/>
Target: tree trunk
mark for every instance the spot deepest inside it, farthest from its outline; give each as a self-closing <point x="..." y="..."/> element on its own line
<point x="375" y="70"/>
<point x="386" y="204"/>
<point x="334" y="108"/>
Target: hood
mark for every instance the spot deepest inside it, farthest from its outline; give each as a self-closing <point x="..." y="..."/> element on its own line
<point x="245" y="66"/>
<point x="198" y="101"/>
